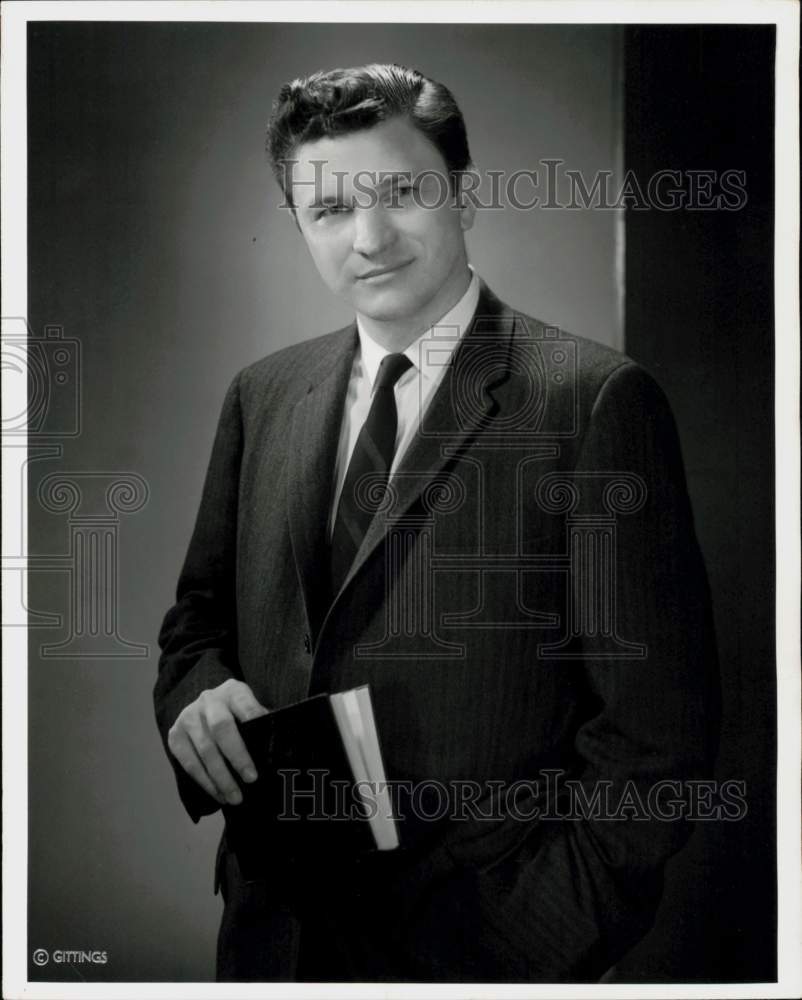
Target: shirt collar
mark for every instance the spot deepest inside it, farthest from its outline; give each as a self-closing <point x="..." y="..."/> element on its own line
<point x="433" y="349"/>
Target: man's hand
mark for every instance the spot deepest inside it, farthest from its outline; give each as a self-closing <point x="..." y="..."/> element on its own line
<point x="206" y="742"/>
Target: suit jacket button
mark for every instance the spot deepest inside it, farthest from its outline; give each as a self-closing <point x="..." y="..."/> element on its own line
<point x="307" y="643"/>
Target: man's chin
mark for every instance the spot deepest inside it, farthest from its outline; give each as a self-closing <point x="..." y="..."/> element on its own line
<point x="385" y="305"/>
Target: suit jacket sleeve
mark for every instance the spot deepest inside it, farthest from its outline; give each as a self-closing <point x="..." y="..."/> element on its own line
<point x="198" y="636"/>
<point x="576" y="894"/>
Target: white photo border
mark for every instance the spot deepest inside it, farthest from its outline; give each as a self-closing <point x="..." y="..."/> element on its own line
<point x="784" y="14"/>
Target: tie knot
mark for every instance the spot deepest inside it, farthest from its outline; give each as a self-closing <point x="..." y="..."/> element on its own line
<point x="391" y="369"/>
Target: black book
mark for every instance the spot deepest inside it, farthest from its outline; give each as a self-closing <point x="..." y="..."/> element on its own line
<point x="321" y="793"/>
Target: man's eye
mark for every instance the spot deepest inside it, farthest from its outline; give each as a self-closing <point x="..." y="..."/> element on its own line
<point x="399" y="194"/>
<point x="329" y="210"/>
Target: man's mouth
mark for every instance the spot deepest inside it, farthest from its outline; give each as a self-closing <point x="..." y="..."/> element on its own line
<point x="377" y="273"/>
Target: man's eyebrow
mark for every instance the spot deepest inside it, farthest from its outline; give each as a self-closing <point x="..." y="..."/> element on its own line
<point x="393" y="176"/>
<point x="385" y="178"/>
<point x="326" y="200"/>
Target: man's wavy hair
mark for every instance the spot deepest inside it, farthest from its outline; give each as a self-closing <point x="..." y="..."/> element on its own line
<point x="340" y="101"/>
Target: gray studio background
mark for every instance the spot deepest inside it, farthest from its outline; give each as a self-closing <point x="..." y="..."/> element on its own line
<point x="156" y="241"/>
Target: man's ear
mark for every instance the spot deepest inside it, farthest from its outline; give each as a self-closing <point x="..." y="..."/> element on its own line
<point x="466" y="183"/>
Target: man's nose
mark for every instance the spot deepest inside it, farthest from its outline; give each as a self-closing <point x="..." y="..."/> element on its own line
<point x="373" y="230"/>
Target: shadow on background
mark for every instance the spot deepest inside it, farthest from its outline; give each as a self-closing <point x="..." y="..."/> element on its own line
<point x="700" y="316"/>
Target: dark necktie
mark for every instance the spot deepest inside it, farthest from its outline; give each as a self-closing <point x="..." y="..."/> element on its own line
<point x="372" y="456"/>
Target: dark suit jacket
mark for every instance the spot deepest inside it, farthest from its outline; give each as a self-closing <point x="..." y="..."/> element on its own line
<point x="532" y="608"/>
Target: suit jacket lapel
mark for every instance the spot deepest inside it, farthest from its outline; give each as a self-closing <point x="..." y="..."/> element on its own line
<point x="462" y="405"/>
<point x="313" y="442"/>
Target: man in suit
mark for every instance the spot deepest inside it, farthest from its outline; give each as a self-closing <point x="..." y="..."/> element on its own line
<point x="484" y="519"/>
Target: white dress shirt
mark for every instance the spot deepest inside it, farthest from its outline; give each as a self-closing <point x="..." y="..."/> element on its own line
<point x="430" y="355"/>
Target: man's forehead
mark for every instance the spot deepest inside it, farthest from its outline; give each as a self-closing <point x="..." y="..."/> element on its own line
<point x="365" y="159"/>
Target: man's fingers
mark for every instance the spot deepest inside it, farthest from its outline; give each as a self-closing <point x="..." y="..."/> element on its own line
<point x="216" y="766"/>
<point x="205" y="739"/>
<point x="226" y="736"/>
<point x="184" y="752"/>
<point x="243" y="704"/>
<point x="244" y="707"/>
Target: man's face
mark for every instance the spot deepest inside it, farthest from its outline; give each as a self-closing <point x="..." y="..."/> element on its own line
<point x="364" y="210"/>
